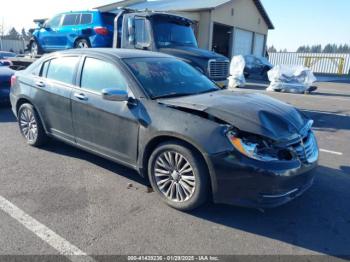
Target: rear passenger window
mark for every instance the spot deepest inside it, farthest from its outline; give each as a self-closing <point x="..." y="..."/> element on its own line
<point x="98" y="75"/>
<point x="85" y="19"/>
<point x="71" y="19"/>
<point x="62" y="69"/>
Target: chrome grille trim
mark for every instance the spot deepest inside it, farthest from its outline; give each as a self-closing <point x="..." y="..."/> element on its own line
<point x="307" y="149"/>
<point x="218" y="69"/>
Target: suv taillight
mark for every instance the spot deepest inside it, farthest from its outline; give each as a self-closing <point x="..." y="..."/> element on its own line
<point x="13" y="80"/>
<point x="101" y="30"/>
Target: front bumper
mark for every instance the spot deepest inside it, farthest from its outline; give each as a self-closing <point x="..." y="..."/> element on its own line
<point x="246" y="182"/>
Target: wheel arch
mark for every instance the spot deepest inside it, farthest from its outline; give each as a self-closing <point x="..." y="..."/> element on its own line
<point x="81" y="38"/>
<point x="156" y="141"/>
<point x="26" y="100"/>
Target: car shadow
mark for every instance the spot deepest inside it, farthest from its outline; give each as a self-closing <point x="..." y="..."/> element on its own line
<point x="318" y="221"/>
<point x="328" y="121"/>
<point x="6" y="115"/>
<point x="61" y="148"/>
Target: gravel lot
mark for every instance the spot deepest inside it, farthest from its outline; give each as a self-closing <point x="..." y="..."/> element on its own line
<point x="86" y="200"/>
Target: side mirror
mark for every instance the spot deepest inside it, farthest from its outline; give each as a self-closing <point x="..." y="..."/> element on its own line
<point x="115" y="95"/>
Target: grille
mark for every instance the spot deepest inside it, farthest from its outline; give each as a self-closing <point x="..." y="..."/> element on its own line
<point x="307" y="150"/>
<point x="218" y="69"/>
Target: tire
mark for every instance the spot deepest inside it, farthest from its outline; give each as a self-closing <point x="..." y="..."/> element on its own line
<point x="82" y="43"/>
<point x="35" y="49"/>
<point x="30" y="126"/>
<point x="187" y="193"/>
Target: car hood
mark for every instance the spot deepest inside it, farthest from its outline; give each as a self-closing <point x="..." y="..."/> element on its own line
<point x="253" y="113"/>
<point x="184" y="51"/>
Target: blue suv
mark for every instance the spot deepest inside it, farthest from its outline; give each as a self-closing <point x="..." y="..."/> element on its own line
<point x="73" y="30"/>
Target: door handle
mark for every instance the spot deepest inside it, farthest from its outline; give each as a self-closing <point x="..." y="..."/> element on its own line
<point x="82" y="97"/>
<point x="40" y="84"/>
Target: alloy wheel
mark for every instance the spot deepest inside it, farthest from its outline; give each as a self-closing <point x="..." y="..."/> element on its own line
<point x="82" y="44"/>
<point x="28" y="125"/>
<point x="34" y="49"/>
<point x="174" y="176"/>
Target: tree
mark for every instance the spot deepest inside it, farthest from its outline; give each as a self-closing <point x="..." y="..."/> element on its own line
<point x="316" y="49"/>
<point x="272" y="49"/>
<point x="13" y="34"/>
<point x="24" y="34"/>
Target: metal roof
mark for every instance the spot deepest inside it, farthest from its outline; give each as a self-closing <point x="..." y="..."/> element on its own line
<point x="179" y="5"/>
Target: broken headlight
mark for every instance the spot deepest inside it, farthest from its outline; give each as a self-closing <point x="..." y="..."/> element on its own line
<point x="257" y="148"/>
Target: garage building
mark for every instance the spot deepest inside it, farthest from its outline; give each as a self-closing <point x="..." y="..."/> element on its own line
<point x="229" y="27"/>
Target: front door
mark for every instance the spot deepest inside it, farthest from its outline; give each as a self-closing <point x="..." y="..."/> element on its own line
<point x="108" y="127"/>
<point x="48" y="37"/>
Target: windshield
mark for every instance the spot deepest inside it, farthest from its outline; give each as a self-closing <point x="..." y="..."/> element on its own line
<point x="169" y="77"/>
<point x="169" y="34"/>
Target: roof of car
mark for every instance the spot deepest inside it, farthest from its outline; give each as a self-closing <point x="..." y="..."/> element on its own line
<point x="118" y="53"/>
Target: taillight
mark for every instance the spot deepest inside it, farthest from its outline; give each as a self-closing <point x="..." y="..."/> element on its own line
<point x="13" y="80"/>
<point x="101" y="30"/>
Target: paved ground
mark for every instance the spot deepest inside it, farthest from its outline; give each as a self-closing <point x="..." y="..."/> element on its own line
<point x="86" y="201"/>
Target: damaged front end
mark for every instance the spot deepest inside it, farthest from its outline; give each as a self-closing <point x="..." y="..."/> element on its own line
<point x="303" y="147"/>
<point x="272" y="148"/>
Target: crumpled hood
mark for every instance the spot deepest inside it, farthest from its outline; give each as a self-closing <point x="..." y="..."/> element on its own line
<point x="191" y="51"/>
<point x="254" y="113"/>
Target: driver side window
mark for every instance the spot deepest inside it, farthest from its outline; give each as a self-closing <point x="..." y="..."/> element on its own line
<point x="54" y="22"/>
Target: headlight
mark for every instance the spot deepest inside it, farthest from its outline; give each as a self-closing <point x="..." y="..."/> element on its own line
<point x="254" y="147"/>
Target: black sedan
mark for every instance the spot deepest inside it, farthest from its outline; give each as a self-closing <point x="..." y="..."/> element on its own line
<point x="161" y="117"/>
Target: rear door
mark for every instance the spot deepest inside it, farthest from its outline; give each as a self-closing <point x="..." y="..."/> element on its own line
<point x="69" y="31"/>
<point x="108" y="127"/>
<point x="52" y="95"/>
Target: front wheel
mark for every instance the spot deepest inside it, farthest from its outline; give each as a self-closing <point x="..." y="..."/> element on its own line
<point x="34" y="49"/>
<point x="30" y="125"/>
<point x="179" y="176"/>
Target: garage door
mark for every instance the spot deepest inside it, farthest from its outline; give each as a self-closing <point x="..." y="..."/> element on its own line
<point x="259" y="44"/>
<point x="242" y="42"/>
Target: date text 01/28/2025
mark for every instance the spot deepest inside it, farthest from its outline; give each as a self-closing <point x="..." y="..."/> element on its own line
<point x="173" y="258"/>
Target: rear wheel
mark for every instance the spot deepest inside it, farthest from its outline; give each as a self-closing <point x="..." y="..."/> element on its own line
<point x="82" y="43"/>
<point x="179" y="176"/>
<point x="30" y="125"/>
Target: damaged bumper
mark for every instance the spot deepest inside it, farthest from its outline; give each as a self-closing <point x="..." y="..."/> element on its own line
<point x="250" y="183"/>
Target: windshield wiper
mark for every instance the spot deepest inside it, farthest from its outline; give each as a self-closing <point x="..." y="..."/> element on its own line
<point x="172" y="95"/>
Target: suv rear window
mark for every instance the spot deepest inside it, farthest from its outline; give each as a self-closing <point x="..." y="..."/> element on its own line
<point x="108" y="18"/>
<point x="71" y="19"/>
<point x="85" y="19"/>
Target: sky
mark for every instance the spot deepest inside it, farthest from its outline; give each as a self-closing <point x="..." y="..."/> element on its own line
<point x="301" y="22"/>
<point x="297" y="22"/>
